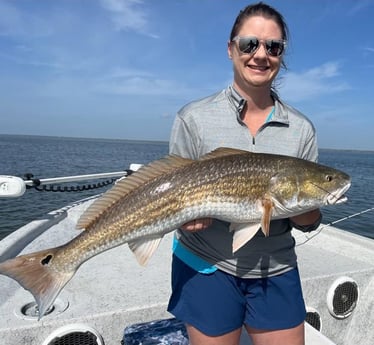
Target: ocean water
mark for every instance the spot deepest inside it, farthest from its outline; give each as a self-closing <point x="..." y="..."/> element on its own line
<point x="47" y="157"/>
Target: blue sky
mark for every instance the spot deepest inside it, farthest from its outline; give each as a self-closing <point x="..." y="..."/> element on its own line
<point x="122" y="68"/>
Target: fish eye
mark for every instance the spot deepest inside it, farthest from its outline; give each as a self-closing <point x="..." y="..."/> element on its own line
<point x="328" y="178"/>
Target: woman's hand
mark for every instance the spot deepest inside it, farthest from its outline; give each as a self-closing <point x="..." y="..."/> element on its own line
<point x="197" y="224"/>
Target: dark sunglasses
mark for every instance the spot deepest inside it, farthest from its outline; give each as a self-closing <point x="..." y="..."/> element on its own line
<point x="249" y="45"/>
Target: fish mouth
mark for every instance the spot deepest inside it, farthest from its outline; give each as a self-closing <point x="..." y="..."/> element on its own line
<point x="339" y="197"/>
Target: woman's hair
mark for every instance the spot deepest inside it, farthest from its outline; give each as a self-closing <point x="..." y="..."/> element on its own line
<point x="263" y="10"/>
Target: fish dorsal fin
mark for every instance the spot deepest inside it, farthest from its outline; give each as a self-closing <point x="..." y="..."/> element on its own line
<point x="127" y="185"/>
<point x="143" y="249"/>
<point x="140" y="177"/>
<point x="221" y="152"/>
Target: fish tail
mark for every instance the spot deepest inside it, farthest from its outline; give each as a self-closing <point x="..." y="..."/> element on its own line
<point x="36" y="273"/>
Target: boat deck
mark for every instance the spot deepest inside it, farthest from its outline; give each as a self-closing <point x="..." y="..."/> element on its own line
<point x="111" y="291"/>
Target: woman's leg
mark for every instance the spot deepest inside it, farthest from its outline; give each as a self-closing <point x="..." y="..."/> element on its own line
<point x="290" y="336"/>
<point x="198" y="338"/>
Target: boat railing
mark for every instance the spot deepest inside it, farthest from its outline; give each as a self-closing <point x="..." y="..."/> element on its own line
<point x="14" y="186"/>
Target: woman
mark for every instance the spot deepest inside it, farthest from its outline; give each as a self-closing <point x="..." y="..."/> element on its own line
<point x="216" y="292"/>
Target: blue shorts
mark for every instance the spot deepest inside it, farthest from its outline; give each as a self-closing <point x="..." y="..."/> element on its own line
<point x="218" y="303"/>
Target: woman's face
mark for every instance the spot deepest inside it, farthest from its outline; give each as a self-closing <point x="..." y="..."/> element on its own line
<point x="257" y="69"/>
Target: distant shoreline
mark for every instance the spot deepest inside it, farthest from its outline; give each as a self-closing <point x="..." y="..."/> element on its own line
<point x="54" y="137"/>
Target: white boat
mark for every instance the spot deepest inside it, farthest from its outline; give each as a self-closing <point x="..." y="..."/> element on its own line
<point x="111" y="293"/>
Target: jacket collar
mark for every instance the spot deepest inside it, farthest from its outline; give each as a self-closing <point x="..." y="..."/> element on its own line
<point x="280" y="111"/>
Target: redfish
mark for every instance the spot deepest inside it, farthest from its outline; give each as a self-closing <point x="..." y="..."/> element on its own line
<point x="243" y="188"/>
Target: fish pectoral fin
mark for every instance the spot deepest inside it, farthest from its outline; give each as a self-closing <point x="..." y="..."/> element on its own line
<point x="267" y="210"/>
<point x="143" y="249"/>
<point x="242" y="234"/>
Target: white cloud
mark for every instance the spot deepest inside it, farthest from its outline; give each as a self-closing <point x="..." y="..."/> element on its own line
<point x="128" y="15"/>
<point x="359" y="6"/>
<point x="16" y="22"/>
<point x="10" y="20"/>
<point x="140" y="85"/>
<point x="327" y="70"/>
<point x="369" y="49"/>
<point x="123" y="72"/>
<point x="141" y="82"/>
<point x="318" y="81"/>
<point x="32" y="61"/>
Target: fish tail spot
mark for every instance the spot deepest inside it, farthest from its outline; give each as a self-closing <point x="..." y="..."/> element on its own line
<point x="46" y="260"/>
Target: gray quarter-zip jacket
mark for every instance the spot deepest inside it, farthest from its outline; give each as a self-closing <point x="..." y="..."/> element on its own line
<point x="215" y="121"/>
